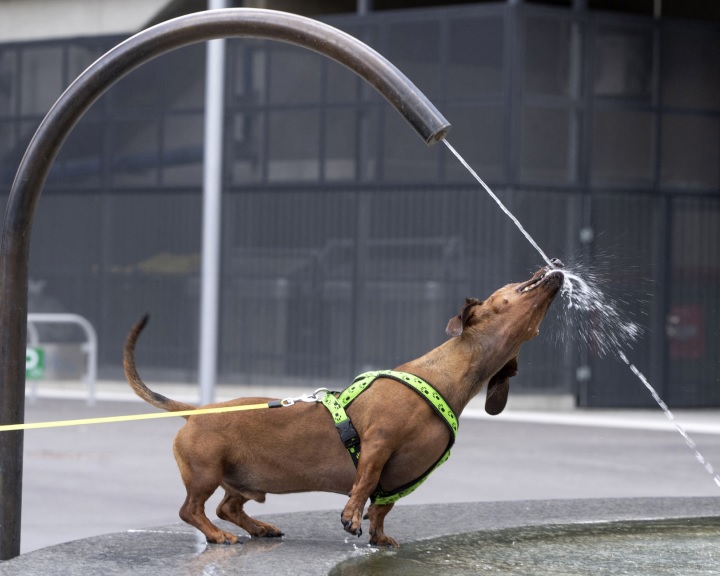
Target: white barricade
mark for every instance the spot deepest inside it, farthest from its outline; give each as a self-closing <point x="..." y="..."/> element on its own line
<point x="89" y="347"/>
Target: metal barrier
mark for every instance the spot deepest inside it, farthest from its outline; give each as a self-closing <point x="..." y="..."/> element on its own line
<point x="89" y="347"/>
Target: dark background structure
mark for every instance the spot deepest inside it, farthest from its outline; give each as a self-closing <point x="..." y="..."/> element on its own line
<point x="347" y="244"/>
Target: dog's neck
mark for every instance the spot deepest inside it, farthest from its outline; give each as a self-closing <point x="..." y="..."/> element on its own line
<point x="458" y="369"/>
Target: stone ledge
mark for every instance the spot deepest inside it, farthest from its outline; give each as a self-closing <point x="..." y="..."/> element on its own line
<point x="315" y="542"/>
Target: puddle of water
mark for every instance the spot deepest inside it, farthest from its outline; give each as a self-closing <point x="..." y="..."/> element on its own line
<point x="640" y="548"/>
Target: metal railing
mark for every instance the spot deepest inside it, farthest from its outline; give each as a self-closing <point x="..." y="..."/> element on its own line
<point x="89" y="347"/>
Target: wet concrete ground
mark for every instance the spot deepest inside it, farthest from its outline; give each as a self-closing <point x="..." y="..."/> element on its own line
<point x="314" y="544"/>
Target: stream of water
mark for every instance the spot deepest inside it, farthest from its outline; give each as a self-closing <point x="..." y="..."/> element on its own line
<point x="499" y="203"/>
<point x="604" y="326"/>
<point x="670" y="416"/>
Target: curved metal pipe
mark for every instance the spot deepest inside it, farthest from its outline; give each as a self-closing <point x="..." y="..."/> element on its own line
<point x="62" y="117"/>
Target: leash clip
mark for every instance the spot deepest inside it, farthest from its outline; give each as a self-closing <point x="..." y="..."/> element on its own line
<point x="316" y="396"/>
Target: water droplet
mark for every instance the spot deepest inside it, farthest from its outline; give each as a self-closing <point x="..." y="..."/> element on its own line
<point x="594" y="319"/>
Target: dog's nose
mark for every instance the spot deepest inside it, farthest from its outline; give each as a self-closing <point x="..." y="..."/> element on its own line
<point x="557" y="263"/>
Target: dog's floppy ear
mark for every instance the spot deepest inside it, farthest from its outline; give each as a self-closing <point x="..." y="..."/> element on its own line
<point x="499" y="386"/>
<point x="456" y="324"/>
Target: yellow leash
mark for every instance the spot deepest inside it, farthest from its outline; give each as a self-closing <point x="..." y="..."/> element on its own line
<point x="316" y="396"/>
<point x="109" y="419"/>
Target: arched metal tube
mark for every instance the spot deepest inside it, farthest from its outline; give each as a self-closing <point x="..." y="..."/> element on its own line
<point x="62" y="117"/>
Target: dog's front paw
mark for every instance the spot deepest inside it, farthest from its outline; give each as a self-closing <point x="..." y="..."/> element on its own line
<point x="351" y="525"/>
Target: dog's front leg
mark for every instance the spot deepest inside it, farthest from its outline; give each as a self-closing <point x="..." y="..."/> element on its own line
<point x="376" y="514"/>
<point x="372" y="461"/>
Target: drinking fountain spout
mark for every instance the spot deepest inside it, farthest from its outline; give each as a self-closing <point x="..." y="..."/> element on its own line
<point x="62" y="117"/>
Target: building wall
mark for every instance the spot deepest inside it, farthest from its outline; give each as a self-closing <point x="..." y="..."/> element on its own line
<point x="347" y="243"/>
<point x="40" y="19"/>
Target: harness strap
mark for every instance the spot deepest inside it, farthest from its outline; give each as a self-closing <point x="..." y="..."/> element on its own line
<point x="423" y="388"/>
<point x="348" y="434"/>
<point x="350" y="438"/>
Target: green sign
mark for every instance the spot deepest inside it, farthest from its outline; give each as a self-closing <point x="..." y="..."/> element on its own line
<point x="34" y="363"/>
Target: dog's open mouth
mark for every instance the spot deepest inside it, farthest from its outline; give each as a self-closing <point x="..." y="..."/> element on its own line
<point x="533" y="283"/>
<point x="543" y="276"/>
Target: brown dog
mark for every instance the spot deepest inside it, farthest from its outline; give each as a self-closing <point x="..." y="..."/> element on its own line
<point x="297" y="448"/>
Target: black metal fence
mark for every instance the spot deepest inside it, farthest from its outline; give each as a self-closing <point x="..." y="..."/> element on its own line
<point x="347" y="243"/>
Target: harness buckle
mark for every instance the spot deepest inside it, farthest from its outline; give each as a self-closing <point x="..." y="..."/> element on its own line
<point x="348" y="434"/>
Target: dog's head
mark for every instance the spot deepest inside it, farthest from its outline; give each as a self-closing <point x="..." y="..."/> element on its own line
<point x="499" y="325"/>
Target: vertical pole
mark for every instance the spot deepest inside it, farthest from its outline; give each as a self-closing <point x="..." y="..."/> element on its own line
<point x="363" y="7"/>
<point x="12" y="411"/>
<point x="212" y="210"/>
<point x="360" y="271"/>
<point x="14" y="261"/>
<point x="575" y="81"/>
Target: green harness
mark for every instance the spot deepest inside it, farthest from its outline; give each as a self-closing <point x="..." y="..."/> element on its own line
<point x="337" y="406"/>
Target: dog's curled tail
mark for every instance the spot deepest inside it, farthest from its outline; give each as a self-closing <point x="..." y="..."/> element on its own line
<point x="133" y="378"/>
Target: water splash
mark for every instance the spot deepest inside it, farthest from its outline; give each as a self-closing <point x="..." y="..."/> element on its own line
<point x="597" y="320"/>
<point x="607" y="330"/>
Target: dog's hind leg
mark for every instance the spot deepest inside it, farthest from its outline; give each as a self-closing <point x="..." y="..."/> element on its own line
<point x="231" y="509"/>
<point x="193" y="512"/>
<point x="201" y="479"/>
<point x="376" y="514"/>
